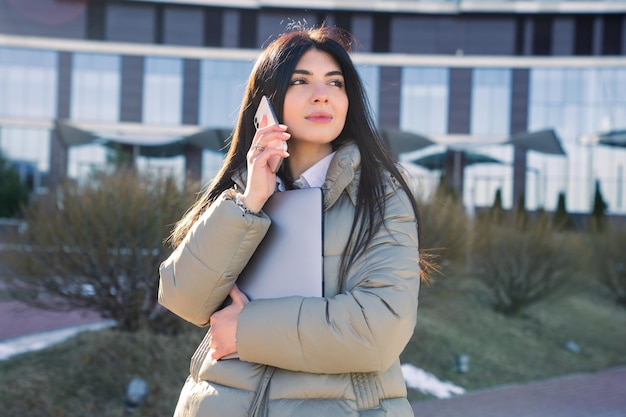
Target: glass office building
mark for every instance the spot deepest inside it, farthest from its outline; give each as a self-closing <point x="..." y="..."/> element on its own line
<point x="468" y="75"/>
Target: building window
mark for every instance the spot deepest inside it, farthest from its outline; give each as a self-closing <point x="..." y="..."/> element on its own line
<point x="95" y="88"/>
<point x="520" y="35"/>
<point x="96" y="16"/>
<point x="583" y="35"/>
<point x="213" y="26"/>
<point x="424" y="102"/>
<point x="162" y="91"/>
<point x="612" y="35"/>
<point x="578" y="103"/>
<point x="343" y="19"/>
<point x="382" y="30"/>
<point x="159" y="18"/>
<point x="84" y="160"/>
<point x="491" y="102"/>
<point x="247" y="28"/>
<point x="162" y="167"/>
<point x="29" y="151"/>
<point x="542" y="35"/>
<point x="28" y="83"/>
<point x="370" y="77"/>
<point x="211" y="164"/>
<point x="222" y="85"/>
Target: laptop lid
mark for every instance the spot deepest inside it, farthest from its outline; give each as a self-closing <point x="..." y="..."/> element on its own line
<point x="289" y="259"/>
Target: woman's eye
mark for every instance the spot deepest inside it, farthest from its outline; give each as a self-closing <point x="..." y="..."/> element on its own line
<point x="297" y="81"/>
<point x="337" y="83"/>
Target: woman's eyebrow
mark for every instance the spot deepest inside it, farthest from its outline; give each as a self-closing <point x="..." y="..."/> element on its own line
<point x="307" y="72"/>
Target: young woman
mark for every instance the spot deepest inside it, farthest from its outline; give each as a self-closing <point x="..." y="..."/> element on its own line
<point x="336" y="355"/>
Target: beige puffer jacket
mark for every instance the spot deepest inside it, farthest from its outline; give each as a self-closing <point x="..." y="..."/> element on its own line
<point x="330" y="356"/>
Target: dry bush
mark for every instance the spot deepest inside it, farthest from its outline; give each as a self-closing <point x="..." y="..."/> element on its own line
<point x="444" y="227"/>
<point x="608" y="262"/>
<point x="98" y="246"/>
<point x="520" y="263"/>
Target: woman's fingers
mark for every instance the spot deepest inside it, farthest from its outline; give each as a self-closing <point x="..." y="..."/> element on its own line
<point x="273" y="136"/>
<point x="267" y="145"/>
<point x="238" y="296"/>
<point x="275" y="140"/>
<point x="224" y="325"/>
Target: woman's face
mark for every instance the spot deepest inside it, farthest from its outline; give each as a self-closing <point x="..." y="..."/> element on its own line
<point x="316" y="103"/>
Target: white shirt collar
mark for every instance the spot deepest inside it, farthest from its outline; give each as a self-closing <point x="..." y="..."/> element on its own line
<point x="314" y="176"/>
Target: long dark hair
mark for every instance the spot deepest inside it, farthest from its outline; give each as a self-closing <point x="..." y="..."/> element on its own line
<point x="271" y="76"/>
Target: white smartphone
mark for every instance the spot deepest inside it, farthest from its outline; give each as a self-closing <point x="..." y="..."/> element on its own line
<point x="265" y="109"/>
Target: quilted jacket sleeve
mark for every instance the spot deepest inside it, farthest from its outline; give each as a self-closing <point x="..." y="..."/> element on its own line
<point x="197" y="277"/>
<point x="361" y="330"/>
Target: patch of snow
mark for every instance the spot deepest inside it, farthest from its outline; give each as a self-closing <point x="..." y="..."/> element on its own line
<point x="38" y="341"/>
<point x="428" y="383"/>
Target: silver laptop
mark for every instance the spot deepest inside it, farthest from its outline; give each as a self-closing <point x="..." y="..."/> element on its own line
<point x="289" y="259"/>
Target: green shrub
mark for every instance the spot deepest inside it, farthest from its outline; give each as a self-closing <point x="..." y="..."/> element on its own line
<point x="13" y="194"/>
<point x="497" y="212"/>
<point x="98" y="246"/>
<point x="597" y="219"/>
<point x="561" y="218"/>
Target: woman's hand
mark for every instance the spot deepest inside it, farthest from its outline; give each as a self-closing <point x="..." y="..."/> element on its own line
<point x="261" y="181"/>
<point x="224" y="325"/>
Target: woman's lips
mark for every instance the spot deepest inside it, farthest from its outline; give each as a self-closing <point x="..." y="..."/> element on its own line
<point x="319" y="117"/>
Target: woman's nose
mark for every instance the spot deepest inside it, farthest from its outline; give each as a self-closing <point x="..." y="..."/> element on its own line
<point x="320" y="92"/>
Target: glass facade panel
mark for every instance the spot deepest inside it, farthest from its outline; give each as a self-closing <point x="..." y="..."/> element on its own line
<point x="28" y="83"/>
<point x="424" y="100"/>
<point x="222" y="85"/>
<point x="491" y="102"/>
<point x="483" y="180"/>
<point x="370" y="76"/>
<point x="162" y="167"/>
<point x="163" y="91"/>
<point x="211" y="164"/>
<point x="29" y="149"/>
<point x="584" y="102"/>
<point x="85" y="159"/>
<point x="95" y="87"/>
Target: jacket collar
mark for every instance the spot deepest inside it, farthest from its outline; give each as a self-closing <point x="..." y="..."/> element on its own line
<point x="343" y="174"/>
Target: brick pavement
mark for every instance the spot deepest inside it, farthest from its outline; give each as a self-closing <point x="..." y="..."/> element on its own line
<point x="17" y="319"/>
<point x="601" y="394"/>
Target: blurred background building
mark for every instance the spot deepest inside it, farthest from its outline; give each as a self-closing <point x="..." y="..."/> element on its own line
<point x="519" y="96"/>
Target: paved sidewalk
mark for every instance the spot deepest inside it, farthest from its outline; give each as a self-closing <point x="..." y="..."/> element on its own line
<point x="18" y="319"/>
<point x="24" y="329"/>
<point x="601" y="394"/>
